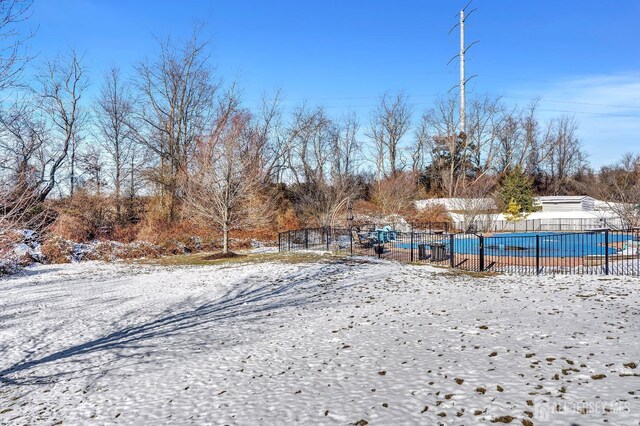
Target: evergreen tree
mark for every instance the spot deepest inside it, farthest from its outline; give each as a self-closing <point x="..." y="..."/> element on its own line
<point x="516" y="195"/>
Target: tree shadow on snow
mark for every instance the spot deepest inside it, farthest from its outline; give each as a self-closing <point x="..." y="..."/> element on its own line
<point x="250" y="304"/>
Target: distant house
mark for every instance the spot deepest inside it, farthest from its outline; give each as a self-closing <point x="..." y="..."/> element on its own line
<point x="556" y="213"/>
<point x="557" y="204"/>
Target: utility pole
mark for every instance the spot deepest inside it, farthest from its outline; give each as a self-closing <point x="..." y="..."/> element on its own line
<point x="463" y="101"/>
<point x="462" y="126"/>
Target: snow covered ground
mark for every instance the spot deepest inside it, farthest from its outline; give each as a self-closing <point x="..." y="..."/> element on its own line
<point x="330" y="342"/>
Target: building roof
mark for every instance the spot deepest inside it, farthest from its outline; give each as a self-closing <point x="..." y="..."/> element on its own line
<point x="563" y="199"/>
<point x="457" y="203"/>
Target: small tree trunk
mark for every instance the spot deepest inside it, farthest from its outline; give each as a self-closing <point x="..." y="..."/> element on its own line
<point x="225" y="238"/>
<point x="73" y="170"/>
<point x="117" y="188"/>
<point x="132" y="189"/>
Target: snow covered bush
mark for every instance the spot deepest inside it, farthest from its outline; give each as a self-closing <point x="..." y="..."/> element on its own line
<point x="57" y="250"/>
<point x="18" y="249"/>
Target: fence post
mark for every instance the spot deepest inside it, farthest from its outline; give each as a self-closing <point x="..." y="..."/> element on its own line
<point x="537" y="254"/>
<point x="481" y="246"/>
<point x="412" y="241"/>
<point x="606" y="252"/>
<point x="279" y="241"/>
<point x="306" y="239"/>
<point x="288" y="240"/>
<point x="452" y="250"/>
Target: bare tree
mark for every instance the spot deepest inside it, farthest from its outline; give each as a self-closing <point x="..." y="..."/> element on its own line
<point x="268" y="150"/>
<point x="391" y="120"/>
<point x="23" y="143"/>
<point x="510" y="150"/>
<point x="320" y="154"/>
<point x="476" y="206"/>
<point x="395" y="195"/>
<point x="497" y="141"/>
<point x="534" y="151"/>
<point x="346" y="147"/>
<point x="226" y="183"/>
<point x="74" y="153"/>
<point x="133" y="180"/>
<point x="92" y="164"/>
<point x="519" y="143"/>
<point x="13" y="56"/>
<point x="176" y="103"/>
<point x="566" y="157"/>
<point x="39" y="129"/>
<point x="307" y="145"/>
<point x="522" y="144"/>
<point x="485" y="118"/>
<point x="619" y="186"/>
<point x="21" y="133"/>
<point x="422" y="144"/>
<point x="62" y="82"/>
<point x="22" y="161"/>
<point x="113" y="112"/>
<point x="447" y="148"/>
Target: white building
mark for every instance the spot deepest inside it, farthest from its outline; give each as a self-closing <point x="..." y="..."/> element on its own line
<point x="556" y="213"/>
<point x="457" y="204"/>
<point x="564" y="203"/>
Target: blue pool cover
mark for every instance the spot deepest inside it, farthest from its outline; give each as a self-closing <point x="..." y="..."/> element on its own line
<point x="524" y="244"/>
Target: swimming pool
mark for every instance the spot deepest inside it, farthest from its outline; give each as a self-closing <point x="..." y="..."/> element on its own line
<point x="550" y="244"/>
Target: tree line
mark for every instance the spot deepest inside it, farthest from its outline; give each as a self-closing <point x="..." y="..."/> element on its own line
<point x="173" y="141"/>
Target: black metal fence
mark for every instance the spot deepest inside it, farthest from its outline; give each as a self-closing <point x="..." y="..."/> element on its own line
<point x="605" y="252"/>
<point x="540" y="225"/>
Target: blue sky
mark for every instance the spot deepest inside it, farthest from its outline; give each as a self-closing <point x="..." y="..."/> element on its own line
<point x="579" y="57"/>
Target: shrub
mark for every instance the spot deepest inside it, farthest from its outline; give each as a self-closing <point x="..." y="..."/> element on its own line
<point x="179" y="237"/>
<point x="57" y="250"/>
<point x="125" y="233"/>
<point x="72" y="228"/>
<point x="83" y="217"/>
<point x="433" y="213"/>
<point x="288" y="220"/>
<point x="395" y="195"/>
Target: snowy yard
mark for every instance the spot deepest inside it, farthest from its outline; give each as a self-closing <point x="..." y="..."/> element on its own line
<point x="336" y="341"/>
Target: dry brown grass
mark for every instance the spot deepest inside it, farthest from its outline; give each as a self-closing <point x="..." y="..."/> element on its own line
<point x="204" y="259"/>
